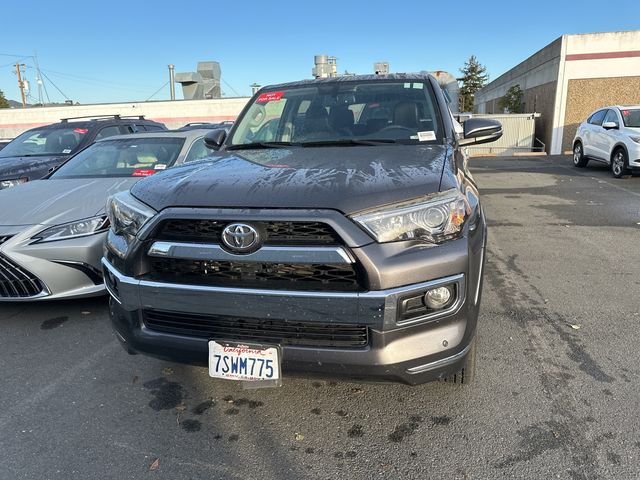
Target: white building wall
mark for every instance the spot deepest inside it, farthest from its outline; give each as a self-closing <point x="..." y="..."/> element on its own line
<point x="539" y="69"/>
<point x="593" y="55"/>
<point x="174" y="114"/>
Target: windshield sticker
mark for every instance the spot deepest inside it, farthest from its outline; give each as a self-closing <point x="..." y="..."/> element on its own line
<point x="426" y="136"/>
<point x="139" y="172"/>
<point x="269" y="97"/>
<point x="66" y="150"/>
<point x="160" y="166"/>
<point x="82" y="131"/>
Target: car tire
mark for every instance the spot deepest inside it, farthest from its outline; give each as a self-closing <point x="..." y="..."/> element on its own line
<point x="619" y="163"/>
<point x="579" y="159"/>
<point x="467" y="374"/>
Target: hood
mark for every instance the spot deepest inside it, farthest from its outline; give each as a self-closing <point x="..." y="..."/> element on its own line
<point x="347" y="179"/>
<point x="17" y="167"/>
<point x="52" y="202"/>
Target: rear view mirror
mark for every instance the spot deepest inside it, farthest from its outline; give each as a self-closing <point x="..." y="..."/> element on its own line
<point x="610" y="125"/>
<point x="481" y="130"/>
<point x="215" y="138"/>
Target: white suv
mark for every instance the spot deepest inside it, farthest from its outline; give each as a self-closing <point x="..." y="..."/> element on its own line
<point x="612" y="136"/>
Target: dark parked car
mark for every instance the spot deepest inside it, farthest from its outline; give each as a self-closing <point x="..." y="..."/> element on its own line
<point x="36" y="152"/>
<point x="338" y="233"/>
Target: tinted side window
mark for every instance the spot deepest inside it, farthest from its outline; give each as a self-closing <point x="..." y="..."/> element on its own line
<point x="596" y="118"/>
<point x="611" y="117"/>
<point x="108" y="132"/>
<point x="198" y="151"/>
<point x="154" y="128"/>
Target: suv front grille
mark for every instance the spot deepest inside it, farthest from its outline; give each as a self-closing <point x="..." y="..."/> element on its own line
<point x="277" y="232"/>
<point x="16" y="282"/>
<point x="273" y="276"/>
<point x="267" y="331"/>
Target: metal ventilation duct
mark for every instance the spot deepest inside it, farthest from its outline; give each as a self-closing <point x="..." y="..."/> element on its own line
<point x="204" y="83"/>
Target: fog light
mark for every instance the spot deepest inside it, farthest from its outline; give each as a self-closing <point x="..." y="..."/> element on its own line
<point x="439" y="297"/>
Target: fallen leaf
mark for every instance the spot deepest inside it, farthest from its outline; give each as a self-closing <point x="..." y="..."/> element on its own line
<point x="357" y="390"/>
<point x="574" y="326"/>
<point x="167" y="371"/>
<point x="181" y="408"/>
<point x="299" y="437"/>
<point x="135" y="379"/>
<point x="155" y="465"/>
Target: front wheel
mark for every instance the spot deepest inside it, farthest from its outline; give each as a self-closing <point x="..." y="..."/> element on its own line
<point x="578" y="156"/>
<point x="619" y="164"/>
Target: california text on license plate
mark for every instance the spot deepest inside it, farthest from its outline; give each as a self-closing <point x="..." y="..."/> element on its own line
<point x="243" y="362"/>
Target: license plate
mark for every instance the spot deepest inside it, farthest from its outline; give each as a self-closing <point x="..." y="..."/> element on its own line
<point x="243" y="361"/>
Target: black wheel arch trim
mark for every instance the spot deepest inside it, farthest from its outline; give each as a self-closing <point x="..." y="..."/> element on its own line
<point x="93" y="273"/>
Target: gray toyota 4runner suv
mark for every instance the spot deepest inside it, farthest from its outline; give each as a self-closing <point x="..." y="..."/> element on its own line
<point x="337" y="232"/>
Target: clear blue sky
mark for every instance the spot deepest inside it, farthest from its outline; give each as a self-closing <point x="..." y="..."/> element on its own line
<point x="98" y="52"/>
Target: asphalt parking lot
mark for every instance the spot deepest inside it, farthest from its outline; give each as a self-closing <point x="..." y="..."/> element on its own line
<point x="556" y="396"/>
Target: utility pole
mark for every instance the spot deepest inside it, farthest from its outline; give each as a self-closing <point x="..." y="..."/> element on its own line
<point x="21" y="84"/>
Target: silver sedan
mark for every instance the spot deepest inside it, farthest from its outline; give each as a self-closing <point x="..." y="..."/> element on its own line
<point x="52" y="230"/>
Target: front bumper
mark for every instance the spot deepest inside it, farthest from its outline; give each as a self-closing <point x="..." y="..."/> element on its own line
<point x="410" y="351"/>
<point x="634" y="155"/>
<point x="64" y="269"/>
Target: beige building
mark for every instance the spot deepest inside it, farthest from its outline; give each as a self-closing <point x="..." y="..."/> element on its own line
<point x="569" y="78"/>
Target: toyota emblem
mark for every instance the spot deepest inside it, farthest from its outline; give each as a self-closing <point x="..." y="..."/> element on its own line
<point x="240" y="238"/>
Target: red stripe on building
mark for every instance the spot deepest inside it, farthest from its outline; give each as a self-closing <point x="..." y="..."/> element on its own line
<point x="602" y="55"/>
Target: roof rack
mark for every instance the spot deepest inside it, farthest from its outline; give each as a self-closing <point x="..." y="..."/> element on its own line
<point x="102" y="117"/>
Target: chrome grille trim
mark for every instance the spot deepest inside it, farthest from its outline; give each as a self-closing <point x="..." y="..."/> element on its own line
<point x="266" y="254"/>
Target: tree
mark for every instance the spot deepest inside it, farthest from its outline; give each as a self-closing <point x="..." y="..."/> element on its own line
<point x="4" y="103"/>
<point x="512" y="100"/>
<point x="474" y="77"/>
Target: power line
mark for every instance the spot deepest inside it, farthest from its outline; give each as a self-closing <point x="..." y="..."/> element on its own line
<point x="41" y="84"/>
<point x="89" y="79"/>
<point x="56" y="87"/>
<point x="14" y="55"/>
<point x="231" y="88"/>
<point x="154" y="93"/>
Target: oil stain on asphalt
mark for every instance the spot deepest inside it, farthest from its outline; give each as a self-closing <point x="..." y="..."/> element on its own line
<point x="52" y="323"/>
<point x="167" y="394"/>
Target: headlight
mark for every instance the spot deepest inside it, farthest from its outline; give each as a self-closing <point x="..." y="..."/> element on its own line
<point x="432" y="219"/>
<point x="12" y="183"/>
<point x="635" y="138"/>
<point x="127" y="215"/>
<point x="81" y="228"/>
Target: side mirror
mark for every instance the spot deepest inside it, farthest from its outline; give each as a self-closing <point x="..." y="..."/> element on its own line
<point x="215" y="138"/>
<point x="480" y="130"/>
<point x="610" y="125"/>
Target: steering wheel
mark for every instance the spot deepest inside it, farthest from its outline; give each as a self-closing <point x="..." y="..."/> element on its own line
<point x="396" y="127"/>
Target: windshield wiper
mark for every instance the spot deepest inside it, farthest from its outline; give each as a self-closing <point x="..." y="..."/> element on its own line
<point x="249" y="146"/>
<point x="349" y="141"/>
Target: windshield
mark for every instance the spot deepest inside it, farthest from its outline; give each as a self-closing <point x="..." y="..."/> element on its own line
<point x="631" y="118"/>
<point x="130" y="157"/>
<point x="45" y="141"/>
<point x="353" y="112"/>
